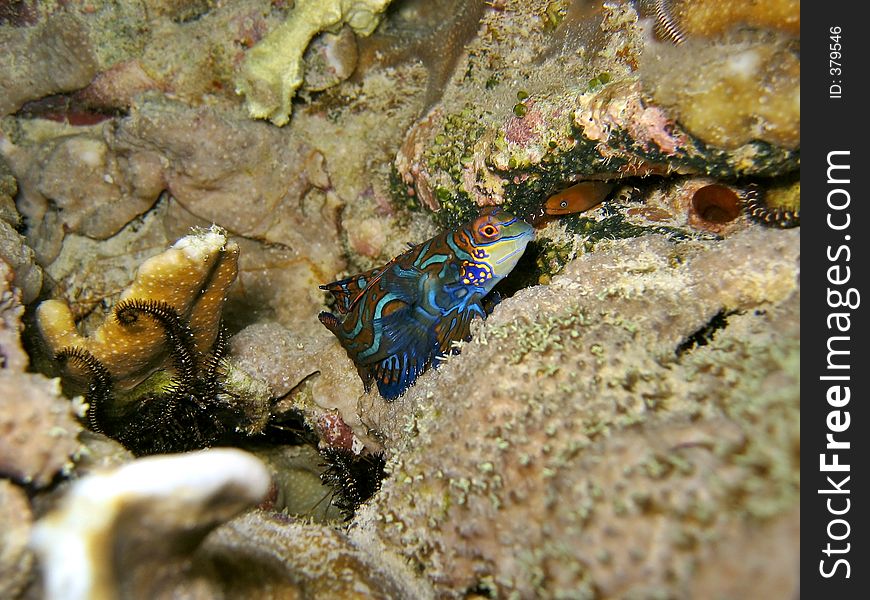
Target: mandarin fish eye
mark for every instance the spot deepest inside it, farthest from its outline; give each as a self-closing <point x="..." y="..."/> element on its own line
<point x="489" y="230"/>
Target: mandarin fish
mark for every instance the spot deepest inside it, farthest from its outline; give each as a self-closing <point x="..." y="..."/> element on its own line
<point x="398" y="319"/>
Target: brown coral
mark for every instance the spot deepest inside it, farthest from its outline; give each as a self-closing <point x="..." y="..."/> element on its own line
<point x="55" y="56"/>
<point x="192" y="277"/>
<point x="16" y="559"/>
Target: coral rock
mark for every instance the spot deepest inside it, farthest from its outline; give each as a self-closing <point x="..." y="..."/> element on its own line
<point x="604" y="432"/>
<point x="330" y="59"/>
<point x="56" y="56"/>
<point x="729" y="93"/>
<point x="109" y="190"/>
<point x="16" y="560"/>
<point x="273" y="69"/>
<point x="266" y="555"/>
<point x="13" y="246"/>
<point x="157" y="527"/>
<point x="192" y="276"/>
<point x="38" y="428"/>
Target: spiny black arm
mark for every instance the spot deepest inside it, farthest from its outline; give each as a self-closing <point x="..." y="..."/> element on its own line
<point x="354" y="478"/>
<point x="99" y="383"/>
<point x="214" y="360"/>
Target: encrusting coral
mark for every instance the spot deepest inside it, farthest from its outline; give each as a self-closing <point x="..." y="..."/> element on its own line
<point x="620" y="431"/>
<point x="16" y="559"/>
<point x="164" y="527"/>
<point x="624" y="425"/>
<point x="27" y="274"/>
<point x="54" y="56"/>
<point x="273" y="69"/>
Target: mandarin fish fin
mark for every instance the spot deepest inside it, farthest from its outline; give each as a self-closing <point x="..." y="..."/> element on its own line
<point x="457" y="328"/>
<point x="346" y="290"/>
<point x="408" y="346"/>
<point x="404" y="284"/>
<point x="330" y="320"/>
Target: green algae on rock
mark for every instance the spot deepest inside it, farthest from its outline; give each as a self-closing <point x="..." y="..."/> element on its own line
<point x="476" y="158"/>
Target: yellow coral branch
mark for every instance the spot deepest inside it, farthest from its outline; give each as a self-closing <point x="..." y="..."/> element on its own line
<point x="273" y="70"/>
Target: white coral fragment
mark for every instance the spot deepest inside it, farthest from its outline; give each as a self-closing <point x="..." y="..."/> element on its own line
<point x="139" y="517"/>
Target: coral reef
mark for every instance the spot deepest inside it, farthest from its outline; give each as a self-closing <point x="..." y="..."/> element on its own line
<point x="624" y="424"/>
<point x="192" y="277"/>
<point x="297" y="488"/>
<point x="309" y="374"/>
<point x="730" y="93"/>
<point x="16" y="559"/>
<point x="264" y="555"/>
<point x="51" y="57"/>
<point x="610" y="132"/>
<point x="109" y="191"/>
<point x="604" y="426"/>
<point x="183" y="505"/>
<point x="434" y="32"/>
<point x="155" y="375"/>
<point x="291" y="228"/>
<point x="330" y="59"/>
<point x="273" y="69"/>
<point x="27" y="274"/>
<point x="710" y="19"/>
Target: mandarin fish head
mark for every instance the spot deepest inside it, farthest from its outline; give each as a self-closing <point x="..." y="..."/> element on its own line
<point x="495" y="240"/>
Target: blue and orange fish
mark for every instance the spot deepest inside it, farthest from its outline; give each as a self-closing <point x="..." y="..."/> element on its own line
<point x="397" y="320"/>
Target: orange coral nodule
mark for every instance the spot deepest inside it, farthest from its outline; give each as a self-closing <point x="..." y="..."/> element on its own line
<point x="716" y="203"/>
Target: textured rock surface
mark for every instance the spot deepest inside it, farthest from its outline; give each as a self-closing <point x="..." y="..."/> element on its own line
<point x="274" y="69"/>
<point x="37" y="426"/>
<point x="602" y="453"/>
<point x="129" y="530"/>
<point x="162" y="522"/>
<point x="16" y="559"/>
<point x="52" y="57"/>
<point x="266" y="555"/>
<point x="309" y="374"/>
<point x="27" y="275"/>
<point x="629" y="430"/>
<point x="192" y="277"/>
